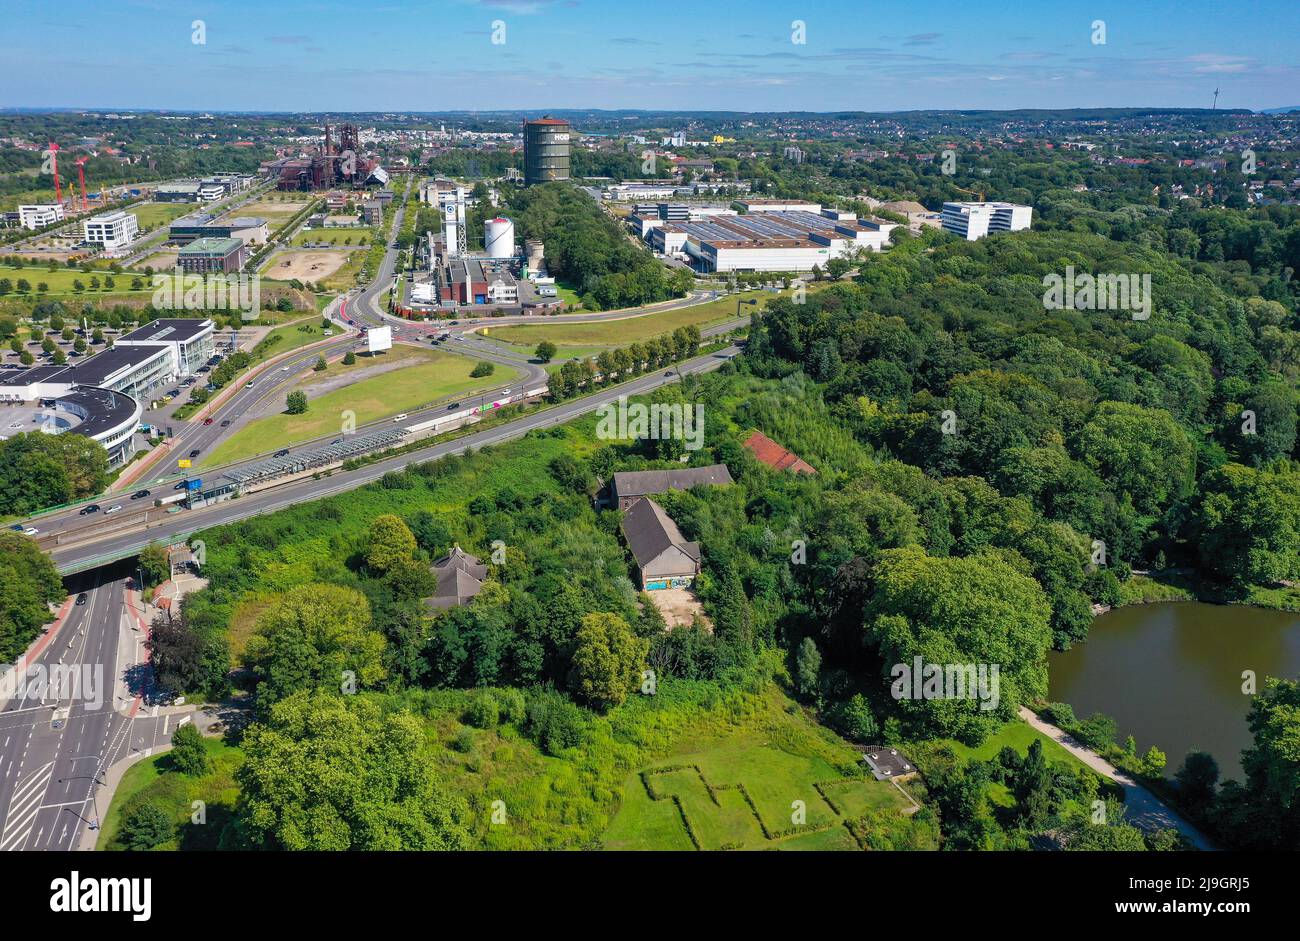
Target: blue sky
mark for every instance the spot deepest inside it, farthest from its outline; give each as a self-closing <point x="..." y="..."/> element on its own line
<point x="437" y="55"/>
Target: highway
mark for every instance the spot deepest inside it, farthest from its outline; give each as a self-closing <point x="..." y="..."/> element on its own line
<point x="101" y="546"/>
<point x="56" y="743"/>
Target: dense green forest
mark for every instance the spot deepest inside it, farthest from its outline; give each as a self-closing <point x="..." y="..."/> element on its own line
<point x="988" y="470"/>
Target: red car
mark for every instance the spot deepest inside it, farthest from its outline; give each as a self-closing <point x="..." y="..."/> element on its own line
<point x="207" y="421"/>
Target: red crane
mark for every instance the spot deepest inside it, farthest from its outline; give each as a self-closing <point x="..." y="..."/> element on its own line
<point x="81" y="175"/>
<point x="54" y="167"/>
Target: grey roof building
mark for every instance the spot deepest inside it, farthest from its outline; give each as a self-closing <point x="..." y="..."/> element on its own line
<point x="460" y="577"/>
<point x="629" y="486"/>
<point x="663" y="555"/>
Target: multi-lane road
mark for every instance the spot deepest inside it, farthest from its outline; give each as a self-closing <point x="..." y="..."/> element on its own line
<point x="60" y="735"/>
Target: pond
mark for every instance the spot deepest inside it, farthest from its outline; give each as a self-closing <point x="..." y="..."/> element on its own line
<point x="1171" y="674"/>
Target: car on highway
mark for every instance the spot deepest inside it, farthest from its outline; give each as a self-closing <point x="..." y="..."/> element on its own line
<point x="453" y="405"/>
<point x="115" y="508"/>
<point x="183" y="485"/>
<point x="30" y="531"/>
<point x="17" y="527"/>
<point x="139" y="494"/>
<point x="194" y="453"/>
<point x="225" y="423"/>
<point x="284" y="369"/>
<point x="88" y="509"/>
<point x="248" y="384"/>
<point x="401" y="417"/>
<point x="283" y="452"/>
<point x="336" y="441"/>
<point x="207" y="421"/>
<point x="81" y="598"/>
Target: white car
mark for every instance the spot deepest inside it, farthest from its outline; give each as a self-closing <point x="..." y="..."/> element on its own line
<point x="401" y="417"/>
<point x="117" y="508"/>
<point x="30" y="531"/>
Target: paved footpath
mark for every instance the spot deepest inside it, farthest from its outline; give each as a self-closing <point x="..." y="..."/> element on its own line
<point x="1145" y="810"/>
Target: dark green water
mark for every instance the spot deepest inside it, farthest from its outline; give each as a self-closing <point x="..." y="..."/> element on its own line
<point x="1170" y="674"/>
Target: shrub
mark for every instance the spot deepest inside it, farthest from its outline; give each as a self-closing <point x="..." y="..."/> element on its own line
<point x="511" y="706"/>
<point x="554" y="723"/>
<point x="482" y="711"/>
<point x="145" y="827"/>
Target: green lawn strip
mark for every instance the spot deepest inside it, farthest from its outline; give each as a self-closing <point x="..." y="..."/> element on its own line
<point x="289" y="336"/>
<point x="645" y="823"/>
<point x="833" y="839"/>
<point x="625" y="330"/>
<point x="60" y="282"/>
<point x="1019" y="736"/>
<point x="175" y="793"/>
<point x="380" y="396"/>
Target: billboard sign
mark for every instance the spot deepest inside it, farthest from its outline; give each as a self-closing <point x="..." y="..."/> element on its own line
<point x="379" y="338"/>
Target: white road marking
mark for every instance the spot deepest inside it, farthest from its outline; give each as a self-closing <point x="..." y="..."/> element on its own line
<point x="24" y="806"/>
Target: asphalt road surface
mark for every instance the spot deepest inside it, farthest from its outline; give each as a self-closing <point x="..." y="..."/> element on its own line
<point x="56" y="743"/>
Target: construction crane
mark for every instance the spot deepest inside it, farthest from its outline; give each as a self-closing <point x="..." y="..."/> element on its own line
<point x="962" y="189"/>
<point x="54" y="168"/>
<point x="81" y="176"/>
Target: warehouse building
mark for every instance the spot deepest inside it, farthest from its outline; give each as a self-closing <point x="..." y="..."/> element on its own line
<point x="973" y="221"/>
<point x="777" y="239"/>
<point x="251" y="230"/>
<point x="204" y="256"/>
<point x="185" y="192"/>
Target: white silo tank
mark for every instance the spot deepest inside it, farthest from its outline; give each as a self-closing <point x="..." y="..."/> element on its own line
<point x="499" y="238"/>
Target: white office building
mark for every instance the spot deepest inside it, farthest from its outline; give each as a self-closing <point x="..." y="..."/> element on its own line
<point x="112" y="230"/>
<point x="189" y="342"/>
<point x="34" y="217"/>
<point x="972" y="221"/>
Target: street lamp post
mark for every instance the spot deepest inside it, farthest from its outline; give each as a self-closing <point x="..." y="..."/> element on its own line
<point x="94" y="799"/>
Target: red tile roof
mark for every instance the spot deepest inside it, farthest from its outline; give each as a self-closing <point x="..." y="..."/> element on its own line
<point x="773" y="455"/>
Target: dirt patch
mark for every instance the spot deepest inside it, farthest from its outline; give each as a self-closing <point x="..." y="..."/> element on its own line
<point x="679" y="607"/>
<point x="304" y="266"/>
<point x="160" y="261"/>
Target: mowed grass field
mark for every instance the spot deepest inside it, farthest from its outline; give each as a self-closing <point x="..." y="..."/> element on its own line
<point x="288" y="337"/>
<point x="429" y="376"/>
<point x="149" y="215"/>
<point x="740" y="792"/>
<point x="622" y="331"/>
<point x="61" y="281"/>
